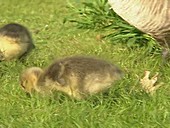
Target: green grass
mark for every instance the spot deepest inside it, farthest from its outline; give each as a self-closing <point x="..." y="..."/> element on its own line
<point x="125" y="105"/>
<point x="98" y="15"/>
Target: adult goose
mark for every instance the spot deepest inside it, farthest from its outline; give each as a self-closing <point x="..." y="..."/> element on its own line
<point x="149" y="16"/>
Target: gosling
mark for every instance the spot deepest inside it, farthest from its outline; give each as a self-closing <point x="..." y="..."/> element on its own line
<point x="76" y="76"/>
<point x="15" y="41"/>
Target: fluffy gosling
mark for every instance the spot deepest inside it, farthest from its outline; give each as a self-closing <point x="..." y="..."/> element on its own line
<point x="15" y="41"/>
<point x="76" y="76"/>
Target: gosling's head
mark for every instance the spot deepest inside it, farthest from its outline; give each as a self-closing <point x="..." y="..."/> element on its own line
<point x="29" y="79"/>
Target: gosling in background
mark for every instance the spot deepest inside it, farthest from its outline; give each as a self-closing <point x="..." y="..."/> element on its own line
<point x="15" y="41"/>
<point x="76" y="76"/>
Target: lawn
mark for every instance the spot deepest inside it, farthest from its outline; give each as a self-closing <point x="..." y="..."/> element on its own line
<point x="125" y="105"/>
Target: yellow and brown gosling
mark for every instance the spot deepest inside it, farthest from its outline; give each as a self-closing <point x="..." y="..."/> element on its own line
<point x="77" y="76"/>
<point x="15" y="41"/>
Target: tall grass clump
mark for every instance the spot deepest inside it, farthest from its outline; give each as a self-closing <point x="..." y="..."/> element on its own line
<point x="98" y="15"/>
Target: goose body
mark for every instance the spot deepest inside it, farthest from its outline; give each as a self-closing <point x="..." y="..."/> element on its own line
<point x="150" y="16"/>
